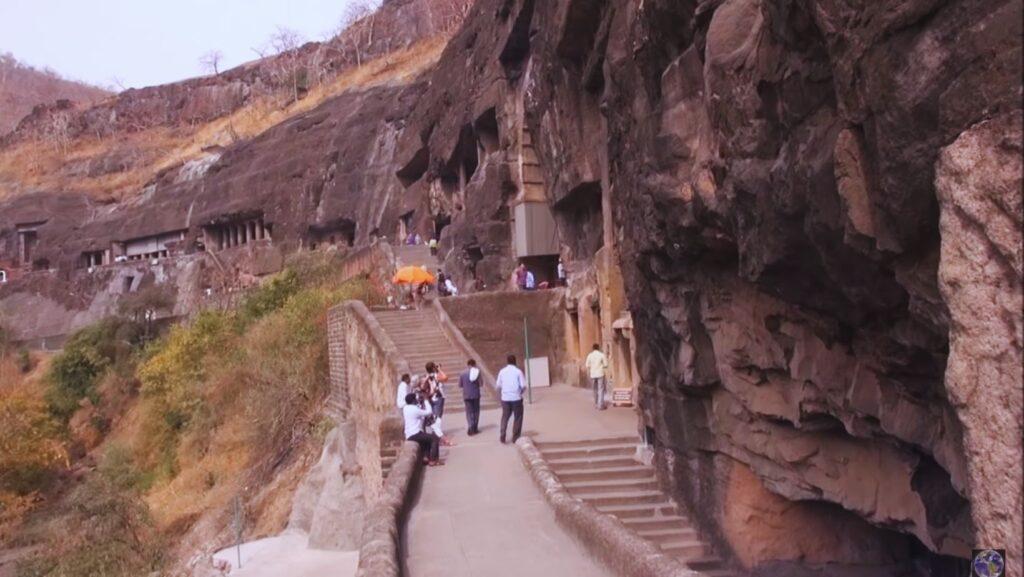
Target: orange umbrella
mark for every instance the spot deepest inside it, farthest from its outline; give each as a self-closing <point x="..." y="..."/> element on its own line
<point x="412" y="275"/>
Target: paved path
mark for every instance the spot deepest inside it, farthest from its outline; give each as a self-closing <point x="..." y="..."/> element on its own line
<point x="289" y="554"/>
<point x="481" y="515"/>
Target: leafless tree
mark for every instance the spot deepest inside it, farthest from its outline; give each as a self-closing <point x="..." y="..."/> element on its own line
<point x="285" y="44"/>
<point x="211" y="61"/>
<point x="357" y="26"/>
<point x="58" y="131"/>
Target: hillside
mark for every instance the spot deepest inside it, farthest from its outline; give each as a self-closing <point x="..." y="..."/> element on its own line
<point x="113" y="150"/>
<point x="23" y="87"/>
<point x="794" y="228"/>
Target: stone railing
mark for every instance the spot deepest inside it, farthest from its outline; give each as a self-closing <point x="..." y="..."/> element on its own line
<point x="608" y="539"/>
<point x="365" y="367"/>
<point x="381" y="552"/>
<point x="374" y="259"/>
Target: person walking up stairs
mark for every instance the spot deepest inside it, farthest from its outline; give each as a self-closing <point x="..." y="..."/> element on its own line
<point x="421" y="339"/>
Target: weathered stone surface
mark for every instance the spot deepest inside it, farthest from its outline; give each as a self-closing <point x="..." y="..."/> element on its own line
<point x="978" y="179"/>
<point x="815" y="206"/>
<point x="329" y="505"/>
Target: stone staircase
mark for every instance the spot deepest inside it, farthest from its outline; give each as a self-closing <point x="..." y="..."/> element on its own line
<point x="419" y="337"/>
<point x="416" y="255"/>
<point x="388" y="456"/>
<point x="606" y="474"/>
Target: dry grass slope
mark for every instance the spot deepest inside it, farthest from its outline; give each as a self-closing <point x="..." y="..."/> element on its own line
<point x="45" y="166"/>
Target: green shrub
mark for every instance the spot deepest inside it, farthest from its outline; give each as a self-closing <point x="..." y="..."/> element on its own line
<point x="24" y="360"/>
<point x="173" y="377"/>
<point x="268" y="297"/>
<point x="87" y="354"/>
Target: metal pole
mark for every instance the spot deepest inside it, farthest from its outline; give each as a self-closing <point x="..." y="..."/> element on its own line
<point x="526" y="343"/>
<point x="238" y="530"/>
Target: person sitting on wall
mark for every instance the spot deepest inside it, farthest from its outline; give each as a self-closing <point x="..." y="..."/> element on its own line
<point x="417" y="418"/>
<point x="531" y="281"/>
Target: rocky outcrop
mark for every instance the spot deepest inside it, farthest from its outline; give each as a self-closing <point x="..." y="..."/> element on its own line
<point x="978" y="180"/>
<point x="770" y="174"/>
<point x="816" y="212"/>
<point x="395" y="26"/>
<point x="329" y="505"/>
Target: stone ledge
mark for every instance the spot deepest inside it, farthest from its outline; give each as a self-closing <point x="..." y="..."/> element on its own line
<point x="381" y="549"/>
<point x="605" y="537"/>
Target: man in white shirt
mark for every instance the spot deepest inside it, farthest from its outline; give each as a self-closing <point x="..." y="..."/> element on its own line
<point x="415" y="416"/>
<point x="403" y="390"/>
<point x="511" y="383"/>
<point x="531" y="281"/>
<point x="597" y="364"/>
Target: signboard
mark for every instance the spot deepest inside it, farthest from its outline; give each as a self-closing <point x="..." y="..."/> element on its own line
<point x="538" y="372"/>
<point x="622" y="397"/>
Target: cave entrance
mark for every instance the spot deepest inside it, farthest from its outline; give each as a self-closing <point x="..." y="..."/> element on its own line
<point x="335" y="232"/>
<point x="28" y="239"/>
<point x="95" y="258"/>
<point x="232" y="232"/>
<point x="405" y="227"/>
<point x="623" y="367"/>
<point x="579" y="214"/>
<point x="440" y="221"/>
<point x="544" y="268"/>
<point x="486" y="128"/>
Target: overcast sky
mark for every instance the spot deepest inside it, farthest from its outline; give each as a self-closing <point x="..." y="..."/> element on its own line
<point x="147" y="42"/>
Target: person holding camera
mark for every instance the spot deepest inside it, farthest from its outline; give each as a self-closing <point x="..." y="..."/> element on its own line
<point x="418" y="417"/>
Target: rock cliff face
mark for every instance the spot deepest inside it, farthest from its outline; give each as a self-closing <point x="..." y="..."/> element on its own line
<point x="395" y="26"/>
<point x="815" y="206"/>
<point x="775" y="198"/>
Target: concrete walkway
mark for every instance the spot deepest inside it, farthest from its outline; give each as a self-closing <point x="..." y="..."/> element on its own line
<point x="481" y="515"/>
<point x="288" y="554"/>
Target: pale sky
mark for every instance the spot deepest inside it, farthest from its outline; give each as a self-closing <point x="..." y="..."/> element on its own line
<point x="147" y="42"/>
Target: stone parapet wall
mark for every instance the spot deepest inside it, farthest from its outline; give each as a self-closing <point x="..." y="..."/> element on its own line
<point x="604" y="536"/>
<point x="381" y="551"/>
<point x="365" y="368"/>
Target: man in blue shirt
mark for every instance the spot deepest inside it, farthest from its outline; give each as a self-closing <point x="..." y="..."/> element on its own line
<point x="511" y="383"/>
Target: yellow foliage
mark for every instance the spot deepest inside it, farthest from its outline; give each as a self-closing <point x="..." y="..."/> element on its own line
<point x="30" y="442"/>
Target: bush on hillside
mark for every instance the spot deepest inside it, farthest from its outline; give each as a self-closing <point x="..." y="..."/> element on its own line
<point x="142" y="307"/>
<point x="30" y="443"/>
<point x="109" y="532"/>
<point x="173" y="378"/>
<point x="269" y="296"/>
<point x="24" y="360"/>
<point x="87" y="354"/>
<point x="274" y="372"/>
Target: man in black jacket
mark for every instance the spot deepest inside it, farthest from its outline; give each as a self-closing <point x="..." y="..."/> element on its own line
<point x="469" y="382"/>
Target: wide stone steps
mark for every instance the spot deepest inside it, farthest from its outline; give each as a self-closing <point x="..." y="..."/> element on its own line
<point x="420" y="338"/>
<point x="416" y="255"/>
<point x="605" y="473"/>
<point x="388" y="455"/>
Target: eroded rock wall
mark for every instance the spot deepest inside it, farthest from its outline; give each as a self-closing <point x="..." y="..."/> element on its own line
<point x="769" y="169"/>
